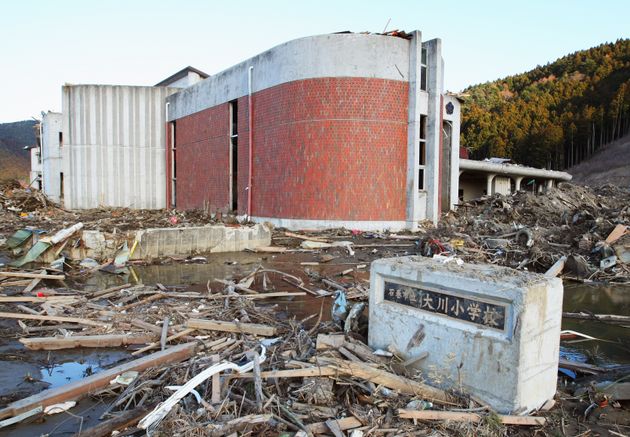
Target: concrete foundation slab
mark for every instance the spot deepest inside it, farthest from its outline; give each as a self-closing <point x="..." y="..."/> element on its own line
<point x="161" y="242"/>
<point x="490" y="331"/>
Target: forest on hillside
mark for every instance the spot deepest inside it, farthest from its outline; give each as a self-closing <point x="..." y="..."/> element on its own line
<point x="14" y="159"/>
<point x="555" y="115"/>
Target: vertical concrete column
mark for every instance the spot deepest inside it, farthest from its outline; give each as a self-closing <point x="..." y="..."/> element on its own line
<point x="413" y="131"/>
<point x="434" y="126"/>
<point x="489" y="180"/>
<point x="517" y="183"/>
<point x="454" y="182"/>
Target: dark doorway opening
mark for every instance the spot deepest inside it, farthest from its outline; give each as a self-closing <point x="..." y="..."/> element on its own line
<point x="234" y="155"/>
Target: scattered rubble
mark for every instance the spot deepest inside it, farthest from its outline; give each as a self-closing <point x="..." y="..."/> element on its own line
<point x="221" y="360"/>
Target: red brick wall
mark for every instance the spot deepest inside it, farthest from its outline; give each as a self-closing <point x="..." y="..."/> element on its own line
<point x="203" y="159"/>
<point x="324" y="149"/>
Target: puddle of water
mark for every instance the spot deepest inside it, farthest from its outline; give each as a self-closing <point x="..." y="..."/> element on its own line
<point x="599" y="299"/>
<point x="67" y="372"/>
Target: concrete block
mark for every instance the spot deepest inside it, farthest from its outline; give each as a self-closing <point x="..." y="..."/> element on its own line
<point x="490" y="331"/>
<point x="155" y="243"/>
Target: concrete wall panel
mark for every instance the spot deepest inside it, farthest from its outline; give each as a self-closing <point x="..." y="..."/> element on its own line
<point x="115" y="146"/>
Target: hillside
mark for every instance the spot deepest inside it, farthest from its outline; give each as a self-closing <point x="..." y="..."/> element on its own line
<point x="14" y="160"/>
<point x="555" y="115"/>
<point x="609" y="165"/>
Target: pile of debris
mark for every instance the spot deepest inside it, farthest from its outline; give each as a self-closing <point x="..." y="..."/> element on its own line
<point x="21" y="207"/>
<point x="527" y="231"/>
<point x="216" y="363"/>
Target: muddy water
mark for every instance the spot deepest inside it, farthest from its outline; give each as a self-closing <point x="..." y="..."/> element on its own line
<point x="599" y="299"/>
<point x="234" y="266"/>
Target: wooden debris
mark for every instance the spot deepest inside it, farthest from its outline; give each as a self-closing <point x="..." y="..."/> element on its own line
<point x="389" y="380"/>
<point x="149" y="299"/>
<point x="343" y="424"/>
<point x="306" y="372"/>
<point x="75" y="390"/>
<point x="33" y="299"/>
<point x="244" y="328"/>
<point x="80" y="321"/>
<point x="610" y="318"/>
<point x="557" y="268"/>
<point x="56" y="343"/>
<point x="181" y="334"/>
<point x="618" y="232"/>
<point x="580" y="367"/>
<point x="306" y="238"/>
<point x="30" y="287"/>
<point x="457" y="416"/>
<point x="32" y="275"/>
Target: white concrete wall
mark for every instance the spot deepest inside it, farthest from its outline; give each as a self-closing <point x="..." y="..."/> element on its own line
<point x="52" y="125"/>
<point x="501" y="185"/>
<point x="435" y="80"/>
<point x="36" y="168"/>
<point x="332" y="55"/>
<point x="114" y="152"/>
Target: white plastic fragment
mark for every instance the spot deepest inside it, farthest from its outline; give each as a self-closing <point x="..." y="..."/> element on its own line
<point x="125" y="378"/>
<point x="59" y="408"/>
<point x="163" y="409"/>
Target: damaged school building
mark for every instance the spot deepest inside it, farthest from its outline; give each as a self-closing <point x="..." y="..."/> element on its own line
<point x="337" y="130"/>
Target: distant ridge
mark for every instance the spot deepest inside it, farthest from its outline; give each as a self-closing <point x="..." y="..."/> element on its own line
<point x="555" y="115"/>
<point x="14" y="160"/>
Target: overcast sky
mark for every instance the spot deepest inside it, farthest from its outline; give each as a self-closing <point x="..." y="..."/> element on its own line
<point x="44" y="44"/>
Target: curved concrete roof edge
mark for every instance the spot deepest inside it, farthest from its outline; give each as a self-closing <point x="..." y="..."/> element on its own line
<point x="513" y="170"/>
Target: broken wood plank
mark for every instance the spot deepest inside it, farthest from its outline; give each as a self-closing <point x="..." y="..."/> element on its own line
<point x="580" y="367"/>
<point x="75" y="390"/>
<point x="164" y="334"/>
<point x="270" y="249"/>
<point x="30" y="287"/>
<point x="458" y="416"/>
<point x="612" y="318"/>
<point x="334" y="427"/>
<point x="56" y="343"/>
<point x="146" y="326"/>
<point x="305" y="372"/>
<point x="102" y="293"/>
<point x="306" y="238"/>
<point x="329" y="341"/>
<point x="149" y="299"/>
<point x="181" y="334"/>
<point x="216" y="382"/>
<point x="244" y="328"/>
<point x="389" y="380"/>
<point x="15" y="283"/>
<point x="618" y="232"/>
<point x="21" y="316"/>
<point x="343" y="424"/>
<point x="556" y="268"/>
<point x="34" y="299"/>
<point x="32" y="275"/>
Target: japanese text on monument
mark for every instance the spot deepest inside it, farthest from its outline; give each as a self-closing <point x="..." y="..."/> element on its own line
<point x="481" y="313"/>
